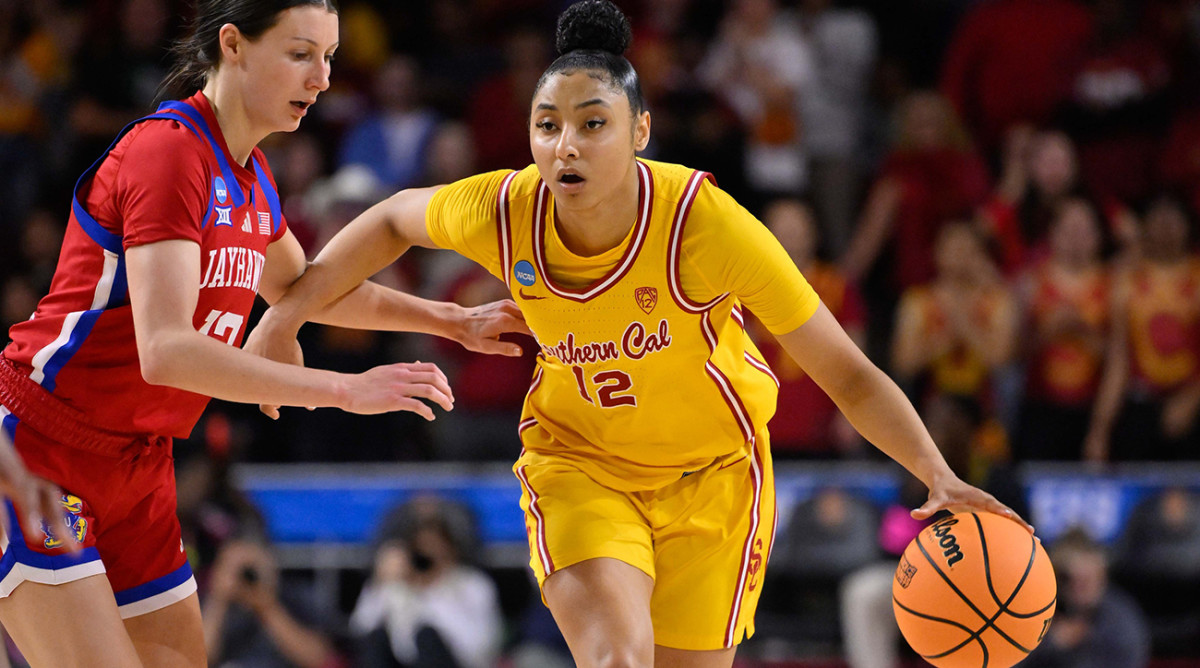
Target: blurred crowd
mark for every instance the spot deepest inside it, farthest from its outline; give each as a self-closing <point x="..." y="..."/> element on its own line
<point x="997" y="198"/>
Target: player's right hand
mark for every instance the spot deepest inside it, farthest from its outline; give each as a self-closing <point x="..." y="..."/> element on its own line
<point x="39" y="500"/>
<point x="398" y="387"/>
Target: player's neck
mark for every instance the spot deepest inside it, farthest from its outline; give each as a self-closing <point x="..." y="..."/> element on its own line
<point x="590" y="231"/>
<point x="240" y="134"/>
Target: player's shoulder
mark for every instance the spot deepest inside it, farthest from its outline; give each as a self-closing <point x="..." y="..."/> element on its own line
<point x="154" y="143"/>
<point x="525" y="182"/>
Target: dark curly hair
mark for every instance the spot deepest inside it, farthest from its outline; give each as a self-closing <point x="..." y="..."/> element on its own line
<point x="592" y="36"/>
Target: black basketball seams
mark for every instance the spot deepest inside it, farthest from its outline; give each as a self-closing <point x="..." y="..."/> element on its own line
<point x="988" y="573"/>
<point x="988" y="623"/>
<point x="973" y="636"/>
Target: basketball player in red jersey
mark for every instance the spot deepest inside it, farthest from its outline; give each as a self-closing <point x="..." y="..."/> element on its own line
<point x="172" y="234"/>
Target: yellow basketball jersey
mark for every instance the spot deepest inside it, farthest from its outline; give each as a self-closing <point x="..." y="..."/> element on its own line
<point x="636" y="383"/>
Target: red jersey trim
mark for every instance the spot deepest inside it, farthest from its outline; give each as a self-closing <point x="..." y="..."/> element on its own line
<point x="504" y="229"/>
<point x="681" y="214"/>
<point x="645" y="198"/>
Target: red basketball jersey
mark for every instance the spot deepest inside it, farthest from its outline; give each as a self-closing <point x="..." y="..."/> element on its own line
<point x="167" y="176"/>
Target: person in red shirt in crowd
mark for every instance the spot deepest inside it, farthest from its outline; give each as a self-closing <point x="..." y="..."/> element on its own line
<point x="1065" y="299"/>
<point x="499" y="107"/>
<point x="1118" y="107"/>
<point x="930" y="177"/>
<point x="953" y="333"/>
<point x="172" y="234"/>
<point x="1150" y="393"/>
<point x="807" y="423"/>
<point x="1040" y="173"/>
<point x="1012" y="62"/>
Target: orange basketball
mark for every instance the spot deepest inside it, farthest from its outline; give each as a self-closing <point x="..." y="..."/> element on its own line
<point x="974" y="590"/>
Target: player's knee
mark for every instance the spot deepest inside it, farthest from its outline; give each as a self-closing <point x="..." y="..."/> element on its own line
<point x="625" y="656"/>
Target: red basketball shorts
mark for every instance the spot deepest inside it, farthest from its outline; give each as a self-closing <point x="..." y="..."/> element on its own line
<point x="119" y="503"/>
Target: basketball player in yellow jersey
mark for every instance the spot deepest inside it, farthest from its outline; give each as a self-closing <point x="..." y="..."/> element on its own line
<point x="648" y="491"/>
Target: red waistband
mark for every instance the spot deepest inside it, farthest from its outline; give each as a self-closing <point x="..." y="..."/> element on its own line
<point x="48" y="415"/>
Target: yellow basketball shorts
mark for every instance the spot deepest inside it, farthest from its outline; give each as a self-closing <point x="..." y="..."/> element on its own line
<point x="704" y="539"/>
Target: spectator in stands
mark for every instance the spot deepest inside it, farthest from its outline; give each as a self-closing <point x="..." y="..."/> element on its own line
<point x="953" y="334"/>
<point x="1117" y="112"/>
<point x="930" y="177"/>
<point x="392" y="140"/>
<point x="806" y="422"/>
<point x="1038" y="170"/>
<point x="425" y="607"/>
<point x="499" y="107"/>
<point x="252" y="618"/>
<point x="1095" y="625"/>
<point x="117" y="72"/>
<point x="1158" y="561"/>
<point x="1012" y="62"/>
<point x="833" y="111"/>
<point x="1065" y="301"/>
<point x="761" y="64"/>
<point x="1150" y="393"/>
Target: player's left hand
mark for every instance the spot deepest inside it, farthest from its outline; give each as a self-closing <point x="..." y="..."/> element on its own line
<point x="951" y="493"/>
<point x="38" y="499"/>
<point x="481" y="327"/>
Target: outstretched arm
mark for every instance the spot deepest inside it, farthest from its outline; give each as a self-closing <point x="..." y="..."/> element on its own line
<point x="881" y="413"/>
<point x="366" y="245"/>
<point x="369" y="305"/>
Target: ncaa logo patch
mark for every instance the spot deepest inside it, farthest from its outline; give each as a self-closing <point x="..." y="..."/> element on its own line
<point x="221" y="191"/>
<point x="524" y="273"/>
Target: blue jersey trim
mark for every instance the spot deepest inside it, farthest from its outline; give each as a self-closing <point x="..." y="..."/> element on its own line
<point x="235" y="191"/>
<point x="19" y="553"/>
<point x="272" y="197"/>
<point x="156" y="586"/>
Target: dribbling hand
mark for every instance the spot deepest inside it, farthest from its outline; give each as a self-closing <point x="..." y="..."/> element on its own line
<point x="951" y="493"/>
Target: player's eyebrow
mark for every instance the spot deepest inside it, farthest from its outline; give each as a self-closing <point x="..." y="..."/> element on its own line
<point x="546" y="106"/>
<point x="313" y="42"/>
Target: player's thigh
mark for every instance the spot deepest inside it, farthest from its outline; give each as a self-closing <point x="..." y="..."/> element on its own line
<point x="602" y="607"/>
<point x="171" y="636"/>
<point x="712" y="539"/>
<point x="667" y="657"/>
<point x="70" y="625"/>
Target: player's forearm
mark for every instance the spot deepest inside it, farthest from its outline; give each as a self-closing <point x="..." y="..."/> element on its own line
<point x="188" y="360"/>
<point x="373" y="306"/>
<point x="880" y="412"/>
<point x="362" y="248"/>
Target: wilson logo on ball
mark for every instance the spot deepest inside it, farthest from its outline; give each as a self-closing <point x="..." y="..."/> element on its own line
<point x="947" y="541"/>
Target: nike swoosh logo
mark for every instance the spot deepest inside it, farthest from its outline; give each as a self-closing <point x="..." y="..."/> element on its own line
<point x="525" y="296"/>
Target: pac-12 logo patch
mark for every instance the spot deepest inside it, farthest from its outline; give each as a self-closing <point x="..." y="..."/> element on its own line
<point x="220" y="189"/>
<point x="646" y="298"/>
<point x="523" y="272"/>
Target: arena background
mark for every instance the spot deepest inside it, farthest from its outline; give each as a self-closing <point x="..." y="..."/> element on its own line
<point x="864" y="129"/>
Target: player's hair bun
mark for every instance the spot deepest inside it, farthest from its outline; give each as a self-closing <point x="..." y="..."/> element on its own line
<point x="593" y="25"/>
